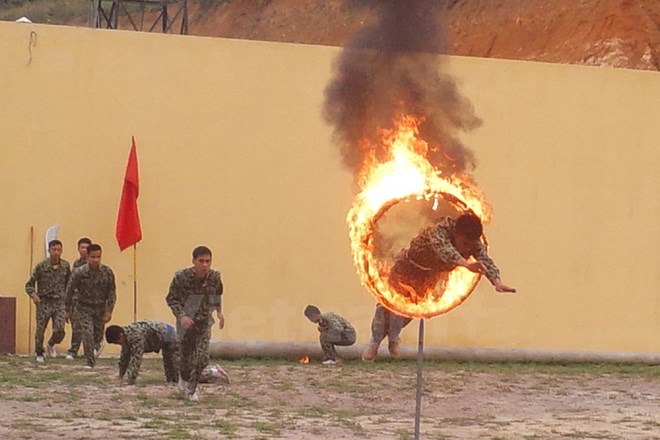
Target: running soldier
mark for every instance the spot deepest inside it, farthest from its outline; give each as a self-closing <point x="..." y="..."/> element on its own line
<point x="194" y="294"/>
<point x="334" y="330"/>
<point x="96" y="294"/>
<point x="46" y="287"/>
<point x="83" y="244"/>
<point x="141" y="337"/>
<point x="433" y="253"/>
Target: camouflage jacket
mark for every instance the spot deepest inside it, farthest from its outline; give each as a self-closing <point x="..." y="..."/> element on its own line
<point x="433" y="249"/>
<point x="92" y="288"/>
<point x="335" y="326"/>
<point x="79" y="262"/>
<point x="195" y="298"/>
<point x="50" y="281"/>
<point x="143" y="336"/>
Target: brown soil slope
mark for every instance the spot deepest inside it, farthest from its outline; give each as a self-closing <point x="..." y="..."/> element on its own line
<point x="617" y="33"/>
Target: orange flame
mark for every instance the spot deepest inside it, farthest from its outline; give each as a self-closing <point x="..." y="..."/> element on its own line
<point x="304" y="360"/>
<point x="408" y="175"/>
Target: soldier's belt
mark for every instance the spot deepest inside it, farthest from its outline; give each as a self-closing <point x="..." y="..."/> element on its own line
<point x="417" y="265"/>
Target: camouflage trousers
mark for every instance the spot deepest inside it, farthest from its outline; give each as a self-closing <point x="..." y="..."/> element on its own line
<point x="386" y="323"/>
<point x="328" y="343"/>
<point x="171" y="361"/>
<point x="89" y="322"/>
<point x="76" y="340"/>
<point x="194" y="352"/>
<point x="49" y="309"/>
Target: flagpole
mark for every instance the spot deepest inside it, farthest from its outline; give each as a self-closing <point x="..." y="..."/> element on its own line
<point x="135" y="282"/>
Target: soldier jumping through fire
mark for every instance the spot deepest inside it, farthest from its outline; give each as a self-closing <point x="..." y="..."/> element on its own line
<point x="141" y="337"/>
<point x="434" y="252"/>
<point x="334" y="330"/>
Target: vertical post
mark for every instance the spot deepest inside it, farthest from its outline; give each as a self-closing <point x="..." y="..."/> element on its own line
<point x="420" y="364"/>
<point x="184" y="20"/>
<point x="134" y="282"/>
<point x="94" y="6"/>
<point x="29" y="344"/>
<point x="166" y="19"/>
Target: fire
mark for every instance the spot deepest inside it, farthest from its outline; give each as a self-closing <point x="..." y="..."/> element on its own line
<point x="304" y="360"/>
<point x="406" y="174"/>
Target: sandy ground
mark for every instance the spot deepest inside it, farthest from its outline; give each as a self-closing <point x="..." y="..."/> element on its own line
<point x="278" y="399"/>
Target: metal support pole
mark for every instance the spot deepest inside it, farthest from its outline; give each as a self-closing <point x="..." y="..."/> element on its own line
<point x="420" y="365"/>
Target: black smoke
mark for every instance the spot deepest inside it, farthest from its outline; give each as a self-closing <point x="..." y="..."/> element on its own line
<point x="393" y="68"/>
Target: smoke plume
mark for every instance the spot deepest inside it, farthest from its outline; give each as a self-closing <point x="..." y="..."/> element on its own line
<point x="393" y="68"/>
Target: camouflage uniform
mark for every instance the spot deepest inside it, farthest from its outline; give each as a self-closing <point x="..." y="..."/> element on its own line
<point x="75" y="335"/>
<point x="50" y="281"/>
<point x="430" y="257"/>
<point x="95" y="295"/>
<point x="196" y="299"/>
<point x="418" y="269"/>
<point x="335" y="330"/>
<point x="387" y="323"/>
<point x="149" y="337"/>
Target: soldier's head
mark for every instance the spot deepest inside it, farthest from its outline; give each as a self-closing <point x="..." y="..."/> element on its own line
<point x="114" y="334"/>
<point x="313" y="313"/>
<point x="94" y="255"/>
<point x="468" y="231"/>
<point x="54" y="249"/>
<point x="202" y="258"/>
<point x="83" y="244"/>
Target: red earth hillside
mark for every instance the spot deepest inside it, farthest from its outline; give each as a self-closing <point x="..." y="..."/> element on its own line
<point x="617" y="33"/>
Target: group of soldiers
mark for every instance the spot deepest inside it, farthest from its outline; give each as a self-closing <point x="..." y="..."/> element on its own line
<point x="86" y="295"/>
<point x="83" y="293"/>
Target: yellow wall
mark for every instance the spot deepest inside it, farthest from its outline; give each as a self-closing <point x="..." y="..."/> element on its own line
<point x="234" y="154"/>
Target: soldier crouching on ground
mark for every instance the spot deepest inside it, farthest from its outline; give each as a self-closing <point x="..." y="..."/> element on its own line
<point x="141" y="337"/>
<point x="334" y="330"/>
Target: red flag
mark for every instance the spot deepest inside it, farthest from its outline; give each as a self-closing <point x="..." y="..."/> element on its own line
<point x="128" y="231"/>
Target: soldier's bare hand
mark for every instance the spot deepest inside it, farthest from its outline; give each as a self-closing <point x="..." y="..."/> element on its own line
<point x="502" y="288"/>
<point x="186" y="322"/>
<point x="107" y="317"/>
<point x="35" y="299"/>
<point x="221" y="321"/>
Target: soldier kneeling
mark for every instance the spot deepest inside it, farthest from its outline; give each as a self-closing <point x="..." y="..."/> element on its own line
<point x="141" y="337"/>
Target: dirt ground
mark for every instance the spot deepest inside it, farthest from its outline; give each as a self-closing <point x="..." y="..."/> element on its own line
<point x="287" y="400"/>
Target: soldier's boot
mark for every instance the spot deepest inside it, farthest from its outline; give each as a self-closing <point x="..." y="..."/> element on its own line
<point x="370" y="351"/>
<point x="393" y="347"/>
<point x="192" y="393"/>
<point x="183" y="385"/>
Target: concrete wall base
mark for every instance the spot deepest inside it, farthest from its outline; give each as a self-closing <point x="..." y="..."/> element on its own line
<point x="294" y="351"/>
